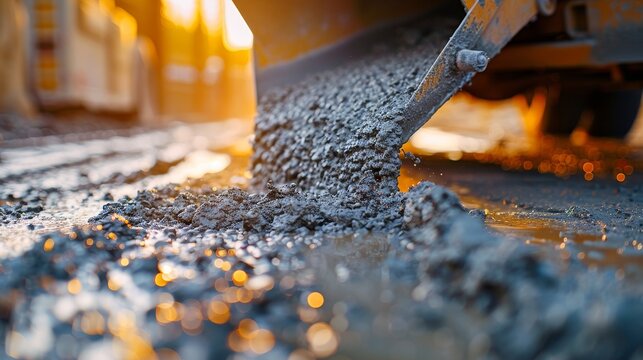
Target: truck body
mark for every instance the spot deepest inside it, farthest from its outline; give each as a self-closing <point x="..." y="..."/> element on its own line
<point x="586" y="54"/>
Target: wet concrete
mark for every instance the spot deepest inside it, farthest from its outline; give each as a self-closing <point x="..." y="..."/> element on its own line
<point x="318" y="255"/>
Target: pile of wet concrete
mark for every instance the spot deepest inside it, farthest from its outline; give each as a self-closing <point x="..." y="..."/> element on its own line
<point x="205" y="273"/>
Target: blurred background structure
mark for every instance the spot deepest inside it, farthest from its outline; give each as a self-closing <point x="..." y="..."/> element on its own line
<point x="13" y="83"/>
<point x="195" y="60"/>
<point x="187" y="59"/>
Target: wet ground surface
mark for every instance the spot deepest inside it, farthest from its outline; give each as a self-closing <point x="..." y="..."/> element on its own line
<point x="78" y="124"/>
<point x="62" y="181"/>
<point x="544" y="189"/>
<point x="342" y="298"/>
<point x="601" y="220"/>
<point x="158" y="243"/>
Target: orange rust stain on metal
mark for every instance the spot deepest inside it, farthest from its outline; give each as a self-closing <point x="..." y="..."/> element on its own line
<point x="431" y="81"/>
<point x="468" y="3"/>
<point x="495" y="23"/>
<point x="614" y="14"/>
<point x="509" y="13"/>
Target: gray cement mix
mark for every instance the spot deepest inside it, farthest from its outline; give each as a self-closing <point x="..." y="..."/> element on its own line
<point x="325" y="166"/>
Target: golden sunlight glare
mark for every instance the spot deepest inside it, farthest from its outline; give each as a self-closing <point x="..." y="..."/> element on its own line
<point x="210" y="12"/>
<point x="237" y="34"/>
<point x="181" y="12"/>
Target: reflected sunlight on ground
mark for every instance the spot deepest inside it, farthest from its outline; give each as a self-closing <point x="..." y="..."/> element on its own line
<point x="503" y="133"/>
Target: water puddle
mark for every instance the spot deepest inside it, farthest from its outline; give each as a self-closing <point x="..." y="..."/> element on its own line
<point x="592" y="248"/>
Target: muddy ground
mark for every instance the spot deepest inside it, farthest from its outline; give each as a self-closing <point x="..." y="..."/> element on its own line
<point x="160" y="242"/>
